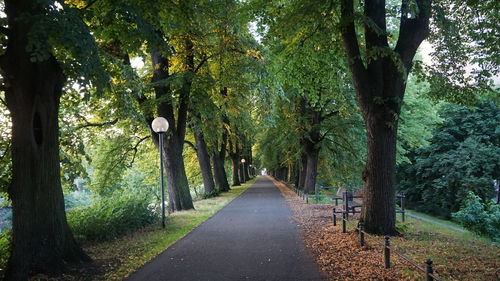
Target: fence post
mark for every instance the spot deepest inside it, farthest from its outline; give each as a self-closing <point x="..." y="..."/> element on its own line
<point x="362" y="233"/>
<point x="344" y="230"/>
<point x="334" y="217"/>
<point x="346" y="205"/>
<point x="307" y="197"/>
<point x="387" y="252"/>
<point x="403" y="208"/>
<point x="428" y="270"/>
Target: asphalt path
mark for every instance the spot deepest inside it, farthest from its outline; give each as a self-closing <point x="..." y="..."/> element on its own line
<point x="252" y="238"/>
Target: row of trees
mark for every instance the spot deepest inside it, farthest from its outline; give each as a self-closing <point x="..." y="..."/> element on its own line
<point x="69" y="66"/>
<point x="306" y="41"/>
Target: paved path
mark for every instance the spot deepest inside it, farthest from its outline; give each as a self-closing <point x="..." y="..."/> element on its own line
<point x="252" y="238"/>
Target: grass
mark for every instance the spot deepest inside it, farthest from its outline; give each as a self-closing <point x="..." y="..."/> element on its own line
<point x="456" y="255"/>
<point x="121" y="257"/>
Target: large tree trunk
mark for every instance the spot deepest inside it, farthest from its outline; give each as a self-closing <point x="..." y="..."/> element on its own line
<point x="218" y="165"/>
<point x="204" y="160"/>
<point x="178" y="186"/>
<point x="380" y="86"/>
<point x="312" y="169"/>
<point x="378" y="211"/>
<point x="42" y="241"/>
<point x="235" y="160"/>
<point x="302" y="172"/>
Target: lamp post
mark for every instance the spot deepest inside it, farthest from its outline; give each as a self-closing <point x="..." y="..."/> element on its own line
<point x="243" y="164"/>
<point x="160" y="126"/>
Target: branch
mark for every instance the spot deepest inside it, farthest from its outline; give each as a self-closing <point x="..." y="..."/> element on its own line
<point x="135" y="148"/>
<point x="6" y="151"/>
<point x="96" y="124"/>
<point x="203" y="61"/>
<point x="350" y="41"/>
<point x="412" y="30"/>
<point x="191" y="145"/>
<point x="3" y="102"/>
<point x="331" y="114"/>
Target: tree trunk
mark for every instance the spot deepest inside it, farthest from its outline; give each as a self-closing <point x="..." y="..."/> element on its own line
<point x="380" y="87"/>
<point x="235" y="159"/>
<point x="204" y="160"/>
<point x="179" y="196"/>
<point x="311" y="170"/>
<point x="42" y="241"/>
<point x="242" y="167"/>
<point x="302" y="171"/>
<point x="220" y="174"/>
<point x="218" y="159"/>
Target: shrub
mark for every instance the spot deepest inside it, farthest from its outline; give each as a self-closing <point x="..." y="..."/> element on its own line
<point x="108" y="217"/>
<point x="5" y="239"/>
<point x="483" y="219"/>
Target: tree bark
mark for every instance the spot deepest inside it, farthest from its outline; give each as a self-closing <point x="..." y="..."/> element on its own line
<point x="204" y="160"/>
<point x="302" y="171"/>
<point x="218" y="158"/>
<point x="235" y="160"/>
<point x="380" y="87"/>
<point x="311" y="170"/>
<point x="42" y="241"/>
<point x="178" y="187"/>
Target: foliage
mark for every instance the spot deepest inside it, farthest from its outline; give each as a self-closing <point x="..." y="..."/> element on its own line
<point x="77" y="199"/>
<point x="109" y="217"/>
<point x="5" y="240"/>
<point x="462" y="156"/>
<point x="481" y="218"/>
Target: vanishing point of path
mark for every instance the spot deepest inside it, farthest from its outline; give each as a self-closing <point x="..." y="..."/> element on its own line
<point x="252" y="238"/>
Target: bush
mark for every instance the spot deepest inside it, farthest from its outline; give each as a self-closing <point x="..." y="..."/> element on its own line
<point x="483" y="219"/>
<point x="5" y="240"/>
<point x="108" y="217"/>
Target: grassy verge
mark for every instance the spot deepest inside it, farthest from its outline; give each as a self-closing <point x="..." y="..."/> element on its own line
<point x="456" y="255"/>
<point x="118" y="258"/>
<point x="450" y="223"/>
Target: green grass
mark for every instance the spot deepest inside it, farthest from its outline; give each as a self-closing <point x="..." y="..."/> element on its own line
<point x="122" y="256"/>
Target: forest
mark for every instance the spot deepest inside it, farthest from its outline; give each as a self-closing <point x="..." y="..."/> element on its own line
<point x="379" y="97"/>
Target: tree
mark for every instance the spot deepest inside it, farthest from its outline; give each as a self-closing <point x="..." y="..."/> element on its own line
<point x="45" y="40"/>
<point x="460" y="158"/>
<point x="379" y="74"/>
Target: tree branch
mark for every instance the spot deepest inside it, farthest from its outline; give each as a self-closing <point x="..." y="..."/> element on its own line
<point x="135" y="148"/>
<point x="191" y="145"/>
<point x="412" y="30"/>
<point x="88" y="124"/>
<point x="350" y="40"/>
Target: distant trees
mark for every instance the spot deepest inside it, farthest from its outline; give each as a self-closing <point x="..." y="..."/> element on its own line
<point x="461" y="157"/>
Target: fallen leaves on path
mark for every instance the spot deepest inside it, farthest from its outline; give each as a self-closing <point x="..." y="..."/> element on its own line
<point x="339" y="255"/>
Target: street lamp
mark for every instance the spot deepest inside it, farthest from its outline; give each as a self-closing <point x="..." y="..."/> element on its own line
<point x="243" y="164"/>
<point x="160" y="126"/>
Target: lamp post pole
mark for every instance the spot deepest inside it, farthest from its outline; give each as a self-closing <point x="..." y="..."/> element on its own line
<point x="160" y="135"/>
<point x="160" y="126"/>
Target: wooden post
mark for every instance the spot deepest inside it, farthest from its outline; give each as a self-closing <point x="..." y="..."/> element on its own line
<point x="334" y="217"/>
<point x="361" y="233"/>
<point x="344" y="230"/>
<point x="428" y="270"/>
<point x="387" y="252"/>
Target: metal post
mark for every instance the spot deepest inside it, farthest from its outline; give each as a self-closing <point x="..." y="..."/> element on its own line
<point x="361" y="233"/>
<point x="387" y="252"/>
<point x="344" y="230"/>
<point x="161" y="182"/>
<point x="428" y="270"/>
<point x="402" y="208"/>
<point x="346" y="205"/>
<point x="334" y="217"/>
